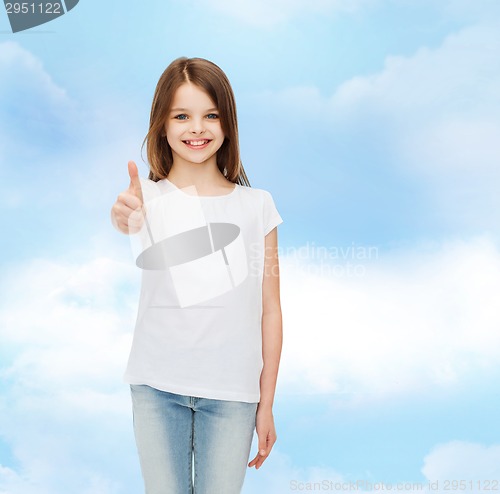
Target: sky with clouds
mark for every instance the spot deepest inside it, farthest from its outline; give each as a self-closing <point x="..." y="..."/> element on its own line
<point x="374" y="124"/>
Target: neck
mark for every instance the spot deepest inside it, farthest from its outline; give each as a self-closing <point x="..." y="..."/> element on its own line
<point x="206" y="177"/>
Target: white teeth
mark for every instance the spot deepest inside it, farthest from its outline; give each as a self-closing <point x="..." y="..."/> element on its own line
<point x="196" y="143"/>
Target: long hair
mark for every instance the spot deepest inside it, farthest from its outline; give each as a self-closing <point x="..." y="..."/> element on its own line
<point x="210" y="78"/>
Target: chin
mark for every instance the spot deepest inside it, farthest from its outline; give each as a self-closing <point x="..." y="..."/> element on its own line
<point x="195" y="161"/>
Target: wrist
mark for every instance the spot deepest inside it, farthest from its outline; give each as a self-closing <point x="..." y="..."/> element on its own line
<point x="265" y="407"/>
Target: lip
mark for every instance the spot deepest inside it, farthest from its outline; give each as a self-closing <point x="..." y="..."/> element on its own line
<point x="203" y="146"/>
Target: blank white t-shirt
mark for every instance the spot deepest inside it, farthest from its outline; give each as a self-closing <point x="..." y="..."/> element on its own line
<point x="199" y="324"/>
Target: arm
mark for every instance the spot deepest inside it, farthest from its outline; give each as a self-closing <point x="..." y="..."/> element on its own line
<point x="272" y="337"/>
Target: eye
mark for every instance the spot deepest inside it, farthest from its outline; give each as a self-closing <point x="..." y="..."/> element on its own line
<point x="212" y="116"/>
<point x="182" y="116"/>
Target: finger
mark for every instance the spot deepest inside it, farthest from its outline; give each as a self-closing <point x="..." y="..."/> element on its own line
<point x="136" y="219"/>
<point x="263" y="445"/>
<point x="257" y="461"/>
<point x="135" y="183"/>
<point x="128" y="211"/>
<point x="254" y="461"/>
<point x="128" y="200"/>
<point x="261" y="456"/>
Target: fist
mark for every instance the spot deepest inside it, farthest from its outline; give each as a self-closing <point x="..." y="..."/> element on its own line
<point x="127" y="213"/>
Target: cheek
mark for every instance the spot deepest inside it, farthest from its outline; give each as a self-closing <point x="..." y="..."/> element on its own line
<point x="223" y="140"/>
<point x="220" y="131"/>
<point x="172" y="135"/>
<point x="172" y="142"/>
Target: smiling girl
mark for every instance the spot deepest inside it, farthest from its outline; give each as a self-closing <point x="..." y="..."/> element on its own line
<point x="202" y="373"/>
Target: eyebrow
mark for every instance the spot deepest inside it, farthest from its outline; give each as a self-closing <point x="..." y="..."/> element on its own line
<point x="185" y="109"/>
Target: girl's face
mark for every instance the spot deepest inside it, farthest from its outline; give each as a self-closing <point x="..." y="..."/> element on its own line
<point x="193" y="126"/>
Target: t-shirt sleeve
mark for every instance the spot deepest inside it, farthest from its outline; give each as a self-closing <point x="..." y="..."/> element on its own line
<point x="271" y="216"/>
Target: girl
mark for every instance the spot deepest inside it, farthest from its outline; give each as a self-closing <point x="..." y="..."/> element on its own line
<point x="207" y="342"/>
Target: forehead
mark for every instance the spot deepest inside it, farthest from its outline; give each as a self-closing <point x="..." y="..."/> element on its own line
<point x="190" y="95"/>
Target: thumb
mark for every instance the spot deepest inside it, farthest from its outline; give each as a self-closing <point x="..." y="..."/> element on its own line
<point x="135" y="183"/>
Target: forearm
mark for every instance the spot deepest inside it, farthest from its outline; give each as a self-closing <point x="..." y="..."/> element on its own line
<point x="272" y="340"/>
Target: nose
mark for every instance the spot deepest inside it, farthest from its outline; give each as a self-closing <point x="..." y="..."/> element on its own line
<point x="197" y="126"/>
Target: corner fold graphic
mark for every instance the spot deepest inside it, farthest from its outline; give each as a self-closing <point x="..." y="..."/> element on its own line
<point x="36" y="14"/>
<point x="70" y="4"/>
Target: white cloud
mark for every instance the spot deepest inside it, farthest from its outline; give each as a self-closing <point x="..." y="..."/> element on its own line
<point x="33" y="107"/>
<point x="442" y="124"/>
<point x="476" y="465"/>
<point x="262" y="14"/>
<point x="440" y="104"/>
<point x="21" y="69"/>
<point x="411" y="321"/>
<point x="459" y="79"/>
<point x="58" y="142"/>
<point x="279" y="475"/>
<point x="66" y="330"/>
<point x="67" y="321"/>
<point x="456" y="466"/>
<point x="415" y="320"/>
<point x="432" y="115"/>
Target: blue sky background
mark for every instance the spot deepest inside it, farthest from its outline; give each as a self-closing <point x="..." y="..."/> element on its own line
<point x="374" y="124"/>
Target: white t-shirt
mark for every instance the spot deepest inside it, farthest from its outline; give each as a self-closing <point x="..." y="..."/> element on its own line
<point x="199" y="324"/>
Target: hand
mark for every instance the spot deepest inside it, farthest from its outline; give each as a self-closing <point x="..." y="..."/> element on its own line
<point x="267" y="436"/>
<point x="127" y="213"/>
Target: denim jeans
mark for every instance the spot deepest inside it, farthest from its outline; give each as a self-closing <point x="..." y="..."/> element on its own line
<point x="172" y="430"/>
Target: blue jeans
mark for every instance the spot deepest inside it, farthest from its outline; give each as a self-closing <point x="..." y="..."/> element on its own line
<point x="171" y="429"/>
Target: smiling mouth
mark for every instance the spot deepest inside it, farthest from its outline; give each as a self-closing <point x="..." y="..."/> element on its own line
<point x="199" y="143"/>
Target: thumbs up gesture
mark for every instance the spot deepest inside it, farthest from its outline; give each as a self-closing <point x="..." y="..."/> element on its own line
<point x="127" y="213"/>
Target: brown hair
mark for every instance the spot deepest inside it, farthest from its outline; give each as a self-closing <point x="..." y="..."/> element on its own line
<point x="215" y="83"/>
